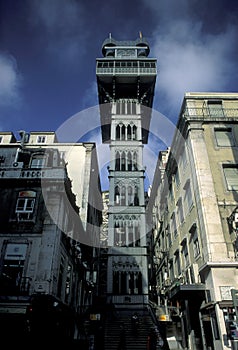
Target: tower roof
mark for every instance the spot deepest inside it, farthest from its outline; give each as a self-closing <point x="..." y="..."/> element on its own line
<point x="110" y="43"/>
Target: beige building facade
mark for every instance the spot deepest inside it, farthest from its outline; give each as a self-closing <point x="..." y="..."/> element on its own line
<point x="194" y="203"/>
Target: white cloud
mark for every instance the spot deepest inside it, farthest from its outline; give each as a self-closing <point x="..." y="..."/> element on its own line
<point x="193" y="63"/>
<point x="195" y="51"/>
<point x="10" y="81"/>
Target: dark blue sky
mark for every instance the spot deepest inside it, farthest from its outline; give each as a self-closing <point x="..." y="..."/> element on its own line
<point x="48" y="50"/>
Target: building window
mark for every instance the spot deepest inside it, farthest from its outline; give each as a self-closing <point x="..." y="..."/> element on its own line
<point x="195" y="241"/>
<point x="231" y="176"/>
<point x="188" y="198"/>
<point x="184" y="159"/>
<point x="12" y="281"/>
<point x="38" y="161"/>
<point x="126" y="132"/>
<point x="177" y="263"/>
<point x="1" y="139"/>
<point x="25" y="205"/>
<point x="126" y="232"/>
<point x="120" y="234"/>
<point x="168" y="235"/>
<point x="215" y="108"/>
<point x="180" y="211"/>
<point x="41" y="139"/>
<point x="174" y="225"/>
<point x="185" y="252"/>
<point x="171" y="269"/>
<point x="171" y="194"/>
<point x="224" y="137"/>
<point x="176" y="178"/>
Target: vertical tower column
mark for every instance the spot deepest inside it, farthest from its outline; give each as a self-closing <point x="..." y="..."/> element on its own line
<point x="126" y="79"/>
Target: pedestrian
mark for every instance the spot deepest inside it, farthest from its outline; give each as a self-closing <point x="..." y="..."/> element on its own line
<point x="135" y="322"/>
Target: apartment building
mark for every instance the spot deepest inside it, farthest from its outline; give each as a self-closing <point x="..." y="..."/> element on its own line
<point x="49" y="233"/>
<point x="194" y="206"/>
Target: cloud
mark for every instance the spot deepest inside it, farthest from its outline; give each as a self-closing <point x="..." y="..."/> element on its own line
<point x="62" y="25"/>
<point x="200" y="63"/>
<point x="195" y="52"/>
<point x="10" y="81"/>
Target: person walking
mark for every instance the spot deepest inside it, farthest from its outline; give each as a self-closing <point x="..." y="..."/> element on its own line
<point x="134" y="323"/>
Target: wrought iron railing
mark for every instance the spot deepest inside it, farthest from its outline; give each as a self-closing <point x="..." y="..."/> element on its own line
<point x="126" y="70"/>
<point x="212" y="113"/>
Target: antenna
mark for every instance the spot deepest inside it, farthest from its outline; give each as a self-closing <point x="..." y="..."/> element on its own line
<point x="140" y="34"/>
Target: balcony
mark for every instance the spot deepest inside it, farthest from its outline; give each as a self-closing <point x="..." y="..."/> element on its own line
<point x="136" y="71"/>
<point x="23" y="173"/>
<point x="214" y="114"/>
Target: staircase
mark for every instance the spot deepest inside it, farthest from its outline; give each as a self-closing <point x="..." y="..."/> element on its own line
<point x="133" y="340"/>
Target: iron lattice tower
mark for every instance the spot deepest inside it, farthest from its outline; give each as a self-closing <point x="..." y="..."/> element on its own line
<point x="126" y="79"/>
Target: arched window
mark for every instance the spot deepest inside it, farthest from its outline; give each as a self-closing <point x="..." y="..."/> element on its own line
<point x="134" y="132"/>
<point x="123" y="161"/>
<point x="129" y="132"/>
<point x="123" y="132"/>
<point x="139" y="283"/>
<point x="116" y="233"/>
<point x="123" y="195"/>
<point x="118" y="132"/>
<point x="137" y="235"/>
<point x="129" y="161"/>
<point x="130" y="235"/>
<point x="136" y="198"/>
<point x="135" y="161"/>
<point x="117" y="195"/>
<point x="117" y="163"/>
<point x="130" y="196"/>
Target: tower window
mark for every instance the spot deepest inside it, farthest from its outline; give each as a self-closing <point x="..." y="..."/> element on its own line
<point x="117" y="163"/>
<point x="126" y="107"/>
<point x="123" y="161"/>
<point x="118" y="132"/>
<point x="129" y="161"/>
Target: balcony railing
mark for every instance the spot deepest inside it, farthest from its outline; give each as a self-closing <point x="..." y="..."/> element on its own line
<point x="51" y="173"/>
<point x="211" y="113"/>
<point x="126" y="71"/>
